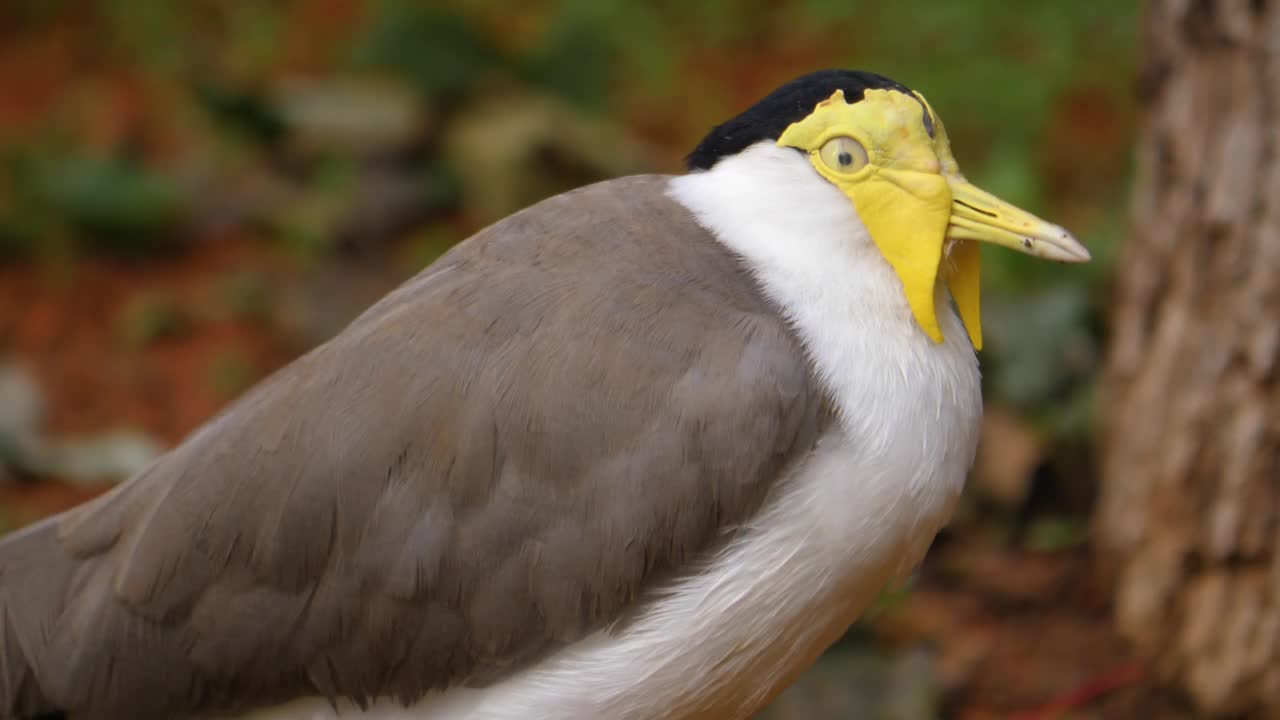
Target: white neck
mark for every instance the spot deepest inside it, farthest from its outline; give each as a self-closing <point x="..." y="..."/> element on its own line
<point x="857" y="512"/>
<point x="806" y="245"/>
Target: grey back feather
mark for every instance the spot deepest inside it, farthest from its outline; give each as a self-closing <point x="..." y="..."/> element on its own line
<point x="500" y="457"/>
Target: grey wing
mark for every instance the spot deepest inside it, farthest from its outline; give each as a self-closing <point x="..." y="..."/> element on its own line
<point x="495" y="460"/>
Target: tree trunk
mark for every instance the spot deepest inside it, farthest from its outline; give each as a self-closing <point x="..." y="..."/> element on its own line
<point x="1190" y="503"/>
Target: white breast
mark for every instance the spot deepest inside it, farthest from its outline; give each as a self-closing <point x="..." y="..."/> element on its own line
<point x="860" y="510"/>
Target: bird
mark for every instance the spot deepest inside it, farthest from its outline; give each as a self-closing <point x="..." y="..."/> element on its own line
<point x="641" y="450"/>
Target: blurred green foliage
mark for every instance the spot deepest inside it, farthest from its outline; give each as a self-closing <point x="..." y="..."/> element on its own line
<point x="162" y="115"/>
<point x="230" y="374"/>
<point x="149" y="317"/>
<point x="113" y="202"/>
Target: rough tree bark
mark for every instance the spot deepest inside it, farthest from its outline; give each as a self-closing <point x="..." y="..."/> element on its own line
<point x="1190" y="508"/>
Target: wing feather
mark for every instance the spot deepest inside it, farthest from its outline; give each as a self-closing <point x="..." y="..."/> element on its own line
<point x="499" y="457"/>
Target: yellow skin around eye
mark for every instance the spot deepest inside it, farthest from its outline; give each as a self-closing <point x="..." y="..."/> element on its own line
<point x="902" y="195"/>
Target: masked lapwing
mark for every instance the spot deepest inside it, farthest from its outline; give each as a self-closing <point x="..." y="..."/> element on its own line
<point x="641" y="451"/>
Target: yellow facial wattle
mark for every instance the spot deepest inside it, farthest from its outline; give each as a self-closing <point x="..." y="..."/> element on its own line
<point x="921" y="213"/>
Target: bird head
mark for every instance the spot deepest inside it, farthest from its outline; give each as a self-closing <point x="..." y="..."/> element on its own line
<point x="886" y="150"/>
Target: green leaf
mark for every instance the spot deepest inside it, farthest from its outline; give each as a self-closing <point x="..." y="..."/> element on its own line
<point x="435" y="50"/>
<point x="114" y="204"/>
<point x="243" y="111"/>
<point x="574" y="62"/>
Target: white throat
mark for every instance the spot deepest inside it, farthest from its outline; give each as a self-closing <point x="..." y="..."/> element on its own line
<point x="859" y="511"/>
<point x="909" y="408"/>
<point x="804" y="242"/>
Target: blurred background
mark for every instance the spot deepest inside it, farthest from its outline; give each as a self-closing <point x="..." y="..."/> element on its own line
<point x="192" y="194"/>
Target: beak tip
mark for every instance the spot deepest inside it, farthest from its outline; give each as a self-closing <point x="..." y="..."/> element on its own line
<point x="1068" y="249"/>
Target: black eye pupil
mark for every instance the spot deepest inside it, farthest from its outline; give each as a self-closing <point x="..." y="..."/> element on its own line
<point x="845" y="158"/>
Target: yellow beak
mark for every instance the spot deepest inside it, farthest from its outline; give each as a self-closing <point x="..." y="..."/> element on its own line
<point x="978" y="215"/>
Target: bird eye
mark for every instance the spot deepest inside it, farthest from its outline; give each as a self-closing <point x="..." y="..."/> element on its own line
<point x="843" y="154"/>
